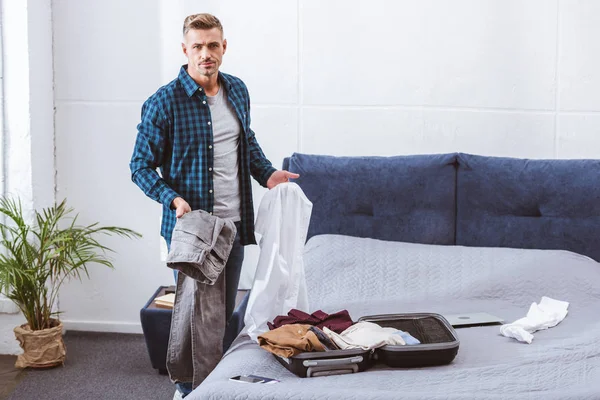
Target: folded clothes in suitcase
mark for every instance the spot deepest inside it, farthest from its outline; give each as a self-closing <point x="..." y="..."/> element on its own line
<point x="439" y="345"/>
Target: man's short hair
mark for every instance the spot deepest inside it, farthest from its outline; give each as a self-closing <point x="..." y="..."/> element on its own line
<point x="201" y="21"/>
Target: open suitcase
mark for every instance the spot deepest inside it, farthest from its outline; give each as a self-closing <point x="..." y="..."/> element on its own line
<point x="324" y="363"/>
<point x="439" y="342"/>
<point x="439" y="346"/>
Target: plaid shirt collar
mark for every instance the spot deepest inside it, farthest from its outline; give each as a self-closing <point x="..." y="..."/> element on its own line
<point x="190" y="86"/>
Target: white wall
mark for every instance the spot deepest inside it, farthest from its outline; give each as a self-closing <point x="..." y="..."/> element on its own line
<point x="107" y="62"/>
<point x="495" y="77"/>
<point x="27" y="143"/>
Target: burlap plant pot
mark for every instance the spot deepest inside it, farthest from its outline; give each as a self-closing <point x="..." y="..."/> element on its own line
<point x="41" y="349"/>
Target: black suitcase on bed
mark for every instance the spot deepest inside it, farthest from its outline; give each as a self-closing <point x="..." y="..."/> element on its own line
<point x="324" y="363"/>
<point x="439" y="345"/>
<point x="439" y="342"/>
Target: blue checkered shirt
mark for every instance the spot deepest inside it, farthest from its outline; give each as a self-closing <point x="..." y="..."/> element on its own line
<point x="175" y="135"/>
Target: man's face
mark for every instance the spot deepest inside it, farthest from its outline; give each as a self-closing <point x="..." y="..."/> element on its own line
<point x="204" y="49"/>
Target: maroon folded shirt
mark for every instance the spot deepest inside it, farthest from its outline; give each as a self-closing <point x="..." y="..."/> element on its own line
<point x="338" y="322"/>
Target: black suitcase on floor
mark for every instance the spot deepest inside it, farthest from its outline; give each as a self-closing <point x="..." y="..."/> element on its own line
<point x="439" y="346"/>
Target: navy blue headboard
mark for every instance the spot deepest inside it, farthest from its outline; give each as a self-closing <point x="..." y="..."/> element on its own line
<point x="404" y="198"/>
<point x="534" y="204"/>
<point x="455" y="199"/>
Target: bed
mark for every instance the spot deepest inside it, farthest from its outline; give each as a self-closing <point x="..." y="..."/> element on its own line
<point x="447" y="233"/>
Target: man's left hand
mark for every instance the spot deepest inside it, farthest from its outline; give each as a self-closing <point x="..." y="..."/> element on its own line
<point x="278" y="177"/>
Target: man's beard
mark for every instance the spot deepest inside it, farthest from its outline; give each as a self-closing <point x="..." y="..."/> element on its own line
<point x="207" y="72"/>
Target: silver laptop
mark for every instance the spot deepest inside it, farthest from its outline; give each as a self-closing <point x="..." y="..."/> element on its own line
<point x="473" y="319"/>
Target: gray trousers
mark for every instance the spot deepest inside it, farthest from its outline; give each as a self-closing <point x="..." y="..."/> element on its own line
<point x="200" y="248"/>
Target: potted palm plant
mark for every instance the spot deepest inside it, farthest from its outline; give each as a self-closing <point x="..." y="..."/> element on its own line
<point x="35" y="260"/>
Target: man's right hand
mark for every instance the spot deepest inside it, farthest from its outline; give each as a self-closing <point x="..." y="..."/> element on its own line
<point x="181" y="206"/>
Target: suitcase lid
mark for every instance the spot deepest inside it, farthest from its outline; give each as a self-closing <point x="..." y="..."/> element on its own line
<point x="448" y="341"/>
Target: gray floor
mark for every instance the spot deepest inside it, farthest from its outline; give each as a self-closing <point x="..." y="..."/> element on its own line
<point x="9" y="375"/>
<point x="98" y="366"/>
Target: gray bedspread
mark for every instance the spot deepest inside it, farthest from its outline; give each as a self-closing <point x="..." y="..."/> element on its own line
<point x="367" y="276"/>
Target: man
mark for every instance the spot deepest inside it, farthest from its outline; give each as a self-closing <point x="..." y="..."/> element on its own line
<point x="196" y="130"/>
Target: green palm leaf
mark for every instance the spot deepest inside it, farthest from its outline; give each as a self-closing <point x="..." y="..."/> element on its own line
<point x="37" y="258"/>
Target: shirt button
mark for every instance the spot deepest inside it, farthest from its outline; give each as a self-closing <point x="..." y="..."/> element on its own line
<point x="204" y="102"/>
<point x="210" y="169"/>
<point x="210" y="191"/>
<point x="210" y="146"/>
<point x="199" y="89"/>
<point x="209" y="122"/>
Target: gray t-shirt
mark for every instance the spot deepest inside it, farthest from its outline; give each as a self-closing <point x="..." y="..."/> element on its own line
<point x="226" y="139"/>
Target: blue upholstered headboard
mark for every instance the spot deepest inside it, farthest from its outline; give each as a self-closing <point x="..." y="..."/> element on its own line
<point x="409" y="199"/>
<point x="534" y="204"/>
<point x="455" y="198"/>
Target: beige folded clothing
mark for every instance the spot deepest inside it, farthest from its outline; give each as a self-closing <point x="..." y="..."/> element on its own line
<point x="289" y="340"/>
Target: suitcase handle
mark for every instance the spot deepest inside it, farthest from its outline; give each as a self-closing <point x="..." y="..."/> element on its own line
<point x="331" y="362"/>
<point x="327" y="371"/>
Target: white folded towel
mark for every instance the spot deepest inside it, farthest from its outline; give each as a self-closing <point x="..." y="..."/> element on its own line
<point x="540" y="316"/>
